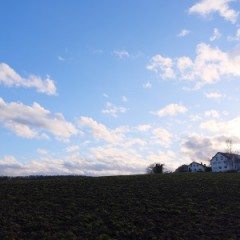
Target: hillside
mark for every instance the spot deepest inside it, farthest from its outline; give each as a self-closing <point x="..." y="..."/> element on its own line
<point x="168" y="206"/>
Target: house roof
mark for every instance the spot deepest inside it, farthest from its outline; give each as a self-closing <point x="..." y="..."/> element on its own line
<point x="227" y="155"/>
<point x="197" y="163"/>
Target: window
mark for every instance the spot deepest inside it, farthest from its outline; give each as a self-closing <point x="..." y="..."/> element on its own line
<point x="220" y="167"/>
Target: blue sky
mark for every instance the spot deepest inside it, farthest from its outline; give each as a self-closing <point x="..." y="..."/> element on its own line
<point x="109" y="87"/>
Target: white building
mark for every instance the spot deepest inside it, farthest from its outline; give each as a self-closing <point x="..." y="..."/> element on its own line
<point x="196" y="167"/>
<point x="223" y="162"/>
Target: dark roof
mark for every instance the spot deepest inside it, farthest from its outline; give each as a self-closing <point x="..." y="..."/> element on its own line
<point x="227" y="155"/>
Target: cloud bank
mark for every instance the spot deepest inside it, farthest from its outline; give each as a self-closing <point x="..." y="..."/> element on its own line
<point x="34" y="121"/>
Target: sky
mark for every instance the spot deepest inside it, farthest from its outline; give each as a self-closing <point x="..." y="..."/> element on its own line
<point x="109" y="87"/>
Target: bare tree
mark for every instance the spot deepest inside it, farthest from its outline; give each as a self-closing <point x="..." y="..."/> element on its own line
<point x="155" y="168"/>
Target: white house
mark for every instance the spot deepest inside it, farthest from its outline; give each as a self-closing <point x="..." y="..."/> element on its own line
<point x="196" y="167"/>
<point x="223" y="162"/>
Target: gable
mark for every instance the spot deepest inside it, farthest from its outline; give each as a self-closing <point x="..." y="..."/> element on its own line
<point x="196" y="164"/>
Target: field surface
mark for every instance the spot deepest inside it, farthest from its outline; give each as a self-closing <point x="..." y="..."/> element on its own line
<point x="166" y="206"/>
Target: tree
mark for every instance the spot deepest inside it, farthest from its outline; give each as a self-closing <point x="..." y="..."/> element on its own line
<point x="155" y="168"/>
<point x="182" y="168"/>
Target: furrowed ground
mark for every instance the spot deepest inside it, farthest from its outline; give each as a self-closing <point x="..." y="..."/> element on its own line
<point x="164" y="206"/>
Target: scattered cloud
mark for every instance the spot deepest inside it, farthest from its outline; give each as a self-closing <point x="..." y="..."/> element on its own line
<point x="162" y="65"/>
<point x="121" y="53"/>
<point x="184" y="32"/>
<point x="216" y="35"/>
<point x="147" y="85"/>
<point x="209" y="66"/>
<point x="207" y="7"/>
<point x="124" y="99"/>
<point x="171" y="110"/>
<point x="100" y="131"/>
<point x="10" y="78"/>
<point x="195" y="118"/>
<point x="113" y="110"/>
<point x="161" y="136"/>
<point x="105" y="95"/>
<point x="143" y="127"/>
<point x="72" y="148"/>
<point x="215" y="95"/>
<point x="42" y="151"/>
<point x="61" y="59"/>
<point x="34" y="121"/>
<point x="212" y="114"/>
<point x="228" y="128"/>
<point x="236" y="37"/>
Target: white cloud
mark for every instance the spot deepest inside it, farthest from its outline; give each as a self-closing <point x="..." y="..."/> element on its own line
<point x="101" y="161"/>
<point x="184" y="65"/>
<point x="130" y="142"/>
<point x="10" y="166"/>
<point x="183" y="33"/>
<point x="124" y="99"/>
<point x="115" y="137"/>
<point x="212" y="114"/>
<point x="195" y="118"/>
<point x="209" y="66"/>
<point x="171" y="110"/>
<point x="147" y="85"/>
<point x="105" y="95"/>
<point x="72" y="148"/>
<point x="121" y="53"/>
<point x="206" y="7"/>
<point x="228" y="128"/>
<point x="10" y="78"/>
<point x="61" y="59"/>
<point x="42" y="151"/>
<point x="34" y="121"/>
<point x="162" y="65"/>
<point x="143" y="127"/>
<point x="215" y="95"/>
<point x="167" y="158"/>
<point x="100" y="131"/>
<point x="236" y="37"/>
<point x="113" y="110"/>
<point x="125" y="161"/>
<point x="216" y="35"/>
<point x="161" y="136"/>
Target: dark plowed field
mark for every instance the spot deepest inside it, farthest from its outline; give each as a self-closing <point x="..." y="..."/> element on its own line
<point x="166" y="206"/>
